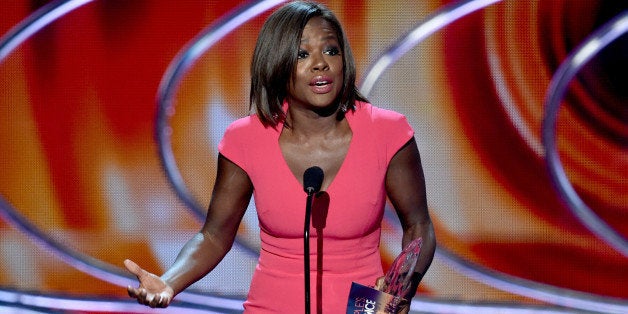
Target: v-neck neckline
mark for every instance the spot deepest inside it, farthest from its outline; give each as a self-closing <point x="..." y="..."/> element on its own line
<point x="295" y="179"/>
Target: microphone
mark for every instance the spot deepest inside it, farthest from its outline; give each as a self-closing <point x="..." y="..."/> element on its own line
<point x="312" y="182"/>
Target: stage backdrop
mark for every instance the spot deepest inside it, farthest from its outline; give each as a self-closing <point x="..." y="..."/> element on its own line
<point x="95" y="169"/>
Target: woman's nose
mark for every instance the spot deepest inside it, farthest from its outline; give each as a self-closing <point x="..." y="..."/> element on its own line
<point x="319" y="63"/>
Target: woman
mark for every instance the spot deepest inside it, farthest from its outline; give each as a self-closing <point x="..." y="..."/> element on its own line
<point x="308" y="113"/>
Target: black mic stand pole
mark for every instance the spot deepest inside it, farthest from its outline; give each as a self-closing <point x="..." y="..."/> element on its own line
<point x="312" y="181"/>
<point x="306" y="248"/>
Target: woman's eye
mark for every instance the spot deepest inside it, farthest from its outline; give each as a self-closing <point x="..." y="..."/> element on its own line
<point x="332" y="51"/>
<point x="302" y="54"/>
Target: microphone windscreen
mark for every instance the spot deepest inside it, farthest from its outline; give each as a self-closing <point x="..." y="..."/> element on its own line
<point x="313" y="179"/>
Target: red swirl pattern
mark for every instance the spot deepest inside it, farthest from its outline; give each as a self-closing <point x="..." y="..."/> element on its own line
<point x="79" y="157"/>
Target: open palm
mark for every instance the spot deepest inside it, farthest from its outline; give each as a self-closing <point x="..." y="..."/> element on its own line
<point x="152" y="291"/>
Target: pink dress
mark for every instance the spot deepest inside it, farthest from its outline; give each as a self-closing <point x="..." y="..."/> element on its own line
<point x="349" y="241"/>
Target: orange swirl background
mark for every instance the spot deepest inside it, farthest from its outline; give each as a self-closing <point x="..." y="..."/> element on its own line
<point x="80" y="159"/>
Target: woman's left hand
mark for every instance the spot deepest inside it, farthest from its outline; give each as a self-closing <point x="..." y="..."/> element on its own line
<point x="404" y="306"/>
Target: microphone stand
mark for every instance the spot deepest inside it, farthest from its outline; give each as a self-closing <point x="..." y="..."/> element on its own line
<point x="312" y="181"/>
<point x="306" y="248"/>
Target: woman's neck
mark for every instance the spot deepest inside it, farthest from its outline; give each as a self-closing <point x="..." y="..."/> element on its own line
<point x="307" y="122"/>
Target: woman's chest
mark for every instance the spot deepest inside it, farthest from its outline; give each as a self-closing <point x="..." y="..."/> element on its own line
<point x="351" y="206"/>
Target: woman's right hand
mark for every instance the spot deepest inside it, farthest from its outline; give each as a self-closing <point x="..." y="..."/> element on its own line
<point x="152" y="291"/>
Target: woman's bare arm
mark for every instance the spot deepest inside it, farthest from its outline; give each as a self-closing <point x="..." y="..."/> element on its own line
<point x="405" y="185"/>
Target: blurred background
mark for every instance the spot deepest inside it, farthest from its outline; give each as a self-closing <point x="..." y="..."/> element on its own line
<point x="96" y="166"/>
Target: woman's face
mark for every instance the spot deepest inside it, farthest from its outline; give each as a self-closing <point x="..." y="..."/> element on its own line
<point x="319" y="72"/>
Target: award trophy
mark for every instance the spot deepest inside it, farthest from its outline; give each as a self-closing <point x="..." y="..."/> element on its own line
<point x="397" y="283"/>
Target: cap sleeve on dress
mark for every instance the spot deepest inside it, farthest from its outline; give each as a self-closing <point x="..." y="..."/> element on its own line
<point x="232" y="144"/>
<point x="400" y="135"/>
<point x="394" y="128"/>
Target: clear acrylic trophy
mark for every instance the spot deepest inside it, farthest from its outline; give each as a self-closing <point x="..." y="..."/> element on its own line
<point x="397" y="284"/>
<point x="398" y="281"/>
